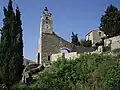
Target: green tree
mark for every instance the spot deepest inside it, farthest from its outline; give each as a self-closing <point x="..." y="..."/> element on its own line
<point x="86" y="43"/>
<point x="110" y="21"/>
<point x="75" y="40"/>
<point x="19" y="45"/>
<point x="11" y="47"/>
<point x="88" y="72"/>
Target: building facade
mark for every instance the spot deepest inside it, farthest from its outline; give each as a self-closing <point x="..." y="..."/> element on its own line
<point x="95" y="36"/>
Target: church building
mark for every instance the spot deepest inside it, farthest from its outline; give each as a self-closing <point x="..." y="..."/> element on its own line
<point x="50" y="43"/>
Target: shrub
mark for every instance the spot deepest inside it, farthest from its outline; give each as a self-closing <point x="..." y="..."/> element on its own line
<point x="24" y="87"/>
<point x="107" y="48"/>
<point x="116" y="51"/>
<point x="88" y="72"/>
<point x="19" y="87"/>
<point x="85" y="43"/>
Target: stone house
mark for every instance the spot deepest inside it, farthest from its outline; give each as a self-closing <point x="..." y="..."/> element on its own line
<point x="95" y="36"/>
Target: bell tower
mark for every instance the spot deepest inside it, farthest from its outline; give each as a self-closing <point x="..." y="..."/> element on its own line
<point x="45" y="28"/>
<point x="46" y="22"/>
<point x="49" y="42"/>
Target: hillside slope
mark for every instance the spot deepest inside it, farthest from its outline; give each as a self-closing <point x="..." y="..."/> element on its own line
<point x="87" y="72"/>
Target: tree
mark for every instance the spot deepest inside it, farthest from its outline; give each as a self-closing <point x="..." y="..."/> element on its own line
<point x="110" y="21"/>
<point x="75" y="40"/>
<point x="11" y="47"/>
<point x="86" y="43"/>
<point x="19" y="44"/>
<point x="87" y="72"/>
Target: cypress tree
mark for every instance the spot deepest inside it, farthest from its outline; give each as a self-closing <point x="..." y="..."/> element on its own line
<point x="11" y="47"/>
<point x="75" y="40"/>
<point x="5" y="50"/>
<point x="19" y="43"/>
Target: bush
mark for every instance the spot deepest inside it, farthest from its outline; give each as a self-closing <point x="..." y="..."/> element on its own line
<point x="116" y="51"/>
<point x="19" y="87"/>
<point x="107" y="48"/>
<point x="85" y="43"/>
<point x="88" y="72"/>
<point x="24" y="87"/>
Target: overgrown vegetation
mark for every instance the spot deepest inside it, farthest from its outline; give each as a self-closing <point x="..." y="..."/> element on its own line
<point x="88" y="72"/>
<point x="116" y="51"/>
<point x="85" y="43"/>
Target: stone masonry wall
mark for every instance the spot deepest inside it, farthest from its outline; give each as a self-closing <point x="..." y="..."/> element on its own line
<point x="115" y="42"/>
<point x="68" y="56"/>
<point x="51" y="43"/>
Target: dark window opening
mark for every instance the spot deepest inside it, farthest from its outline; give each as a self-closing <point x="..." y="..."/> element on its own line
<point x="48" y="58"/>
<point x="38" y="58"/>
<point x="99" y="33"/>
<point x="63" y="55"/>
<point x="46" y="22"/>
<point x="46" y="18"/>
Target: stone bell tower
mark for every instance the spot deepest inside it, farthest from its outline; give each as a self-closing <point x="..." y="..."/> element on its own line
<point x="45" y="28"/>
<point x="49" y="43"/>
<point x="46" y="22"/>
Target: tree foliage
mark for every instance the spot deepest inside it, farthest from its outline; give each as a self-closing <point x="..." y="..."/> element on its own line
<point x="11" y="47"/>
<point x="110" y="21"/>
<point x="85" y="43"/>
<point x="19" y="44"/>
<point x="88" y="72"/>
<point x="75" y="40"/>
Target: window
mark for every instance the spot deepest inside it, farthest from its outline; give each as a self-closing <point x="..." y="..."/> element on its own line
<point x="48" y="58"/>
<point x="46" y="22"/>
<point x="38" y="59"/>
<point x="99" y="33"/>
<point x="46" y="18"/>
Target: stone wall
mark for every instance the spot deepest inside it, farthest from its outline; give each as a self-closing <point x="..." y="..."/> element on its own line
<point x="51" y="43"/>
<point x="115" y="42"/>
<point x="69" y="56"/>
<point x="72" y="55"/>
<point x="97" y="35"/>
<point x="55" y="57"/>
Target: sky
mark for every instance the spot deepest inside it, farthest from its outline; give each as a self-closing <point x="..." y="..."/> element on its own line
<point x="78" y="16"/>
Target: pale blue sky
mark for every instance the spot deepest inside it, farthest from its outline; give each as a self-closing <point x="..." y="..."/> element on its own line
<point x="79" y="16"/>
